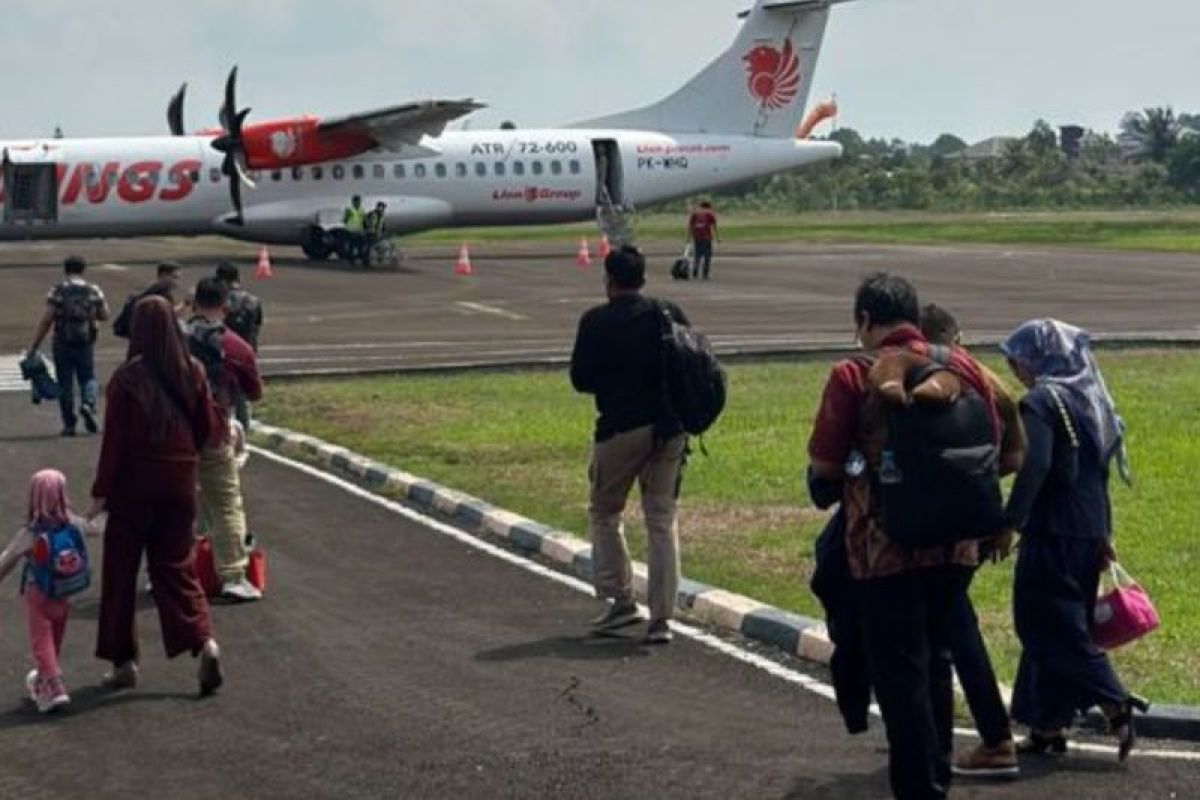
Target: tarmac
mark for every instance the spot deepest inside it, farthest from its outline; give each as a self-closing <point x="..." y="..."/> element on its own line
<point x="391" y="659"/>
<point x="523" y="301"/>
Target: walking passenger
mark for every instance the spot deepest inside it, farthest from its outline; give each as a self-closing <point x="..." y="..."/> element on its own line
<point x="1060" y="504"/>
<point x="158" y="413"/>
<point x="73" y="308"/>
<point x="49" y="526"/>
<point x="996" y="756"/>
<point x="244" y="316"/>
<point x="231" y="369"/>
<point x="702" y="230"/>
<point x="906" y="593"/>
<point x="616" y="358"/>
<point x="166" y="285"/>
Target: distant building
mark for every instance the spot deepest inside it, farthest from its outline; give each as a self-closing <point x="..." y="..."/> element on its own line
<point x="992" y="147"/>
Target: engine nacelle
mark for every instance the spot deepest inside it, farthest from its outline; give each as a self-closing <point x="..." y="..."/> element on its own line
<point x="294" y="142"/>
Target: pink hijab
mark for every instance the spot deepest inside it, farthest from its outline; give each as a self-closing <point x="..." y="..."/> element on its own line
<point x="48" y="504"/>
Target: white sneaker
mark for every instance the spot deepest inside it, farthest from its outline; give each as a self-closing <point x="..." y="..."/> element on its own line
<point x="240" y="591"/>
<point x="31" y="682"/>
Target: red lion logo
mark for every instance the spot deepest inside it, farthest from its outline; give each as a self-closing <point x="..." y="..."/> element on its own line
<point x="774" y="74"/>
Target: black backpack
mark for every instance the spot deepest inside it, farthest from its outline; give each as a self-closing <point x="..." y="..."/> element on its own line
<point x="938" y="479"/>
<point x="204" y="342"/>
<point x="680" y="269"/>
<point x="242" y="316"/>
<point x="694" y="382"/>
<point x="73" y="322"/>
<point x="124" y="321"/>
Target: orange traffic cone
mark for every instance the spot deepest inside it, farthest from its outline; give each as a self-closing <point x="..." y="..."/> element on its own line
<point x="583" y="259"/>
<point x="604" y="248"/>
<point x="463" y="265"/>
<point x="263" y="270"/>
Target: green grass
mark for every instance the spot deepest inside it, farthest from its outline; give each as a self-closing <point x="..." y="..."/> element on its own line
<point x="1165" y="230"/>
<point x="521" y="441"/>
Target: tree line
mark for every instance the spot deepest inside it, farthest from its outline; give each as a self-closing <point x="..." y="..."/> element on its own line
<point x="1153" y="161"/>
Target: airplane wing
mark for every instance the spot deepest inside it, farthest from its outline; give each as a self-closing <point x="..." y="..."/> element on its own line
<point x="404" y="125"/>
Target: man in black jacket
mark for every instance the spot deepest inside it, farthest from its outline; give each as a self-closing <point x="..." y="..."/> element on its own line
<point x="618" y="358"/>
<point x="165" y="285"/>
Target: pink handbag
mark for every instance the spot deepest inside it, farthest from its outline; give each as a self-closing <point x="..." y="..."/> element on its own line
<point x="1124" y="613"/>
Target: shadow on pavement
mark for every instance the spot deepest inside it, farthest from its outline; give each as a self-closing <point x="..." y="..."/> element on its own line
<point x="85" y="701"/>
<point x="569" y="648"/>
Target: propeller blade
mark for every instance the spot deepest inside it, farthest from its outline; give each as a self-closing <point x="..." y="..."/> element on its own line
<point x="229" y="109"/>
<point x="242" y="174"/>
<point x="235" y="195"/>
<point x="175" y="112"/>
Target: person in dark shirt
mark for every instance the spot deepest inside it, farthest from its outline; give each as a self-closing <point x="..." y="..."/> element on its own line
<point x="1060" y="504"/>
<point x="244" y="316"/>
<point x="702" y="231"/>
<point x="73" y="307"/>
<point x="617" y="357"/>
<point x="166" y="285"/>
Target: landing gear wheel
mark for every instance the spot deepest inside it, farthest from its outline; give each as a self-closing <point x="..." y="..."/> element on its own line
<point x="315" y="244"/>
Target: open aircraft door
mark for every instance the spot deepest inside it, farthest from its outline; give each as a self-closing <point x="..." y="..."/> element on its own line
<point x="610" y="180"/>
<point x="30" y="185"/>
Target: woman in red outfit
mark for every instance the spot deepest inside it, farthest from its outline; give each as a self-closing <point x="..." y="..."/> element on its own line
<point x="158" y="409"/>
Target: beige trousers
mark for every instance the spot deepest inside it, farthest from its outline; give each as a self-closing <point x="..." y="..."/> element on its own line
<point x="616" y="464"/>
<point x="222" y="512"/>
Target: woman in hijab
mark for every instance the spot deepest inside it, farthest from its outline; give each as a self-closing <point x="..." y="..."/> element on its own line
<point x="158" y="412"/>
<point x="1060" y="504"/>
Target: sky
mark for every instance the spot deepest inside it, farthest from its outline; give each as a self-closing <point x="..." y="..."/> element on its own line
<point x="910" y="69"/>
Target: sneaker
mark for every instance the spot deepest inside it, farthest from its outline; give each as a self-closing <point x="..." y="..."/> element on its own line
<point x="620" y="614"/>
<point x="240" y="591"/>
<point x="50" y="694"/>
<point x="988" y="762"/>
<point x="31" y="684"/>
<point x="124" y="676"/>
<point x="89" y="419"/>
<point x="658" y="632"/>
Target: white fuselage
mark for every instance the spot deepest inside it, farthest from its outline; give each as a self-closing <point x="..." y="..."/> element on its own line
<point x="173" y="185"/>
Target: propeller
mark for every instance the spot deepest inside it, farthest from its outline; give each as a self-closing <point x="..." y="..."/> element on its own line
<point x="175" y="112"/>
<point x="231" y="143"/>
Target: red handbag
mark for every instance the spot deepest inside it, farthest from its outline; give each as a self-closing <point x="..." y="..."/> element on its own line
<point x="256" y="569"/>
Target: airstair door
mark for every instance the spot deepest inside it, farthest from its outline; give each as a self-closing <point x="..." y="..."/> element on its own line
<point x="31" y="191"/>
<point x="610" y="182"/>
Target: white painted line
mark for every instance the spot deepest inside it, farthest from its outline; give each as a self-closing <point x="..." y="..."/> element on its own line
<point x="485" y="309"/>
<point x="10" y="375"/>
<point x="753" y="659"/>
<point x="114" y="267"/>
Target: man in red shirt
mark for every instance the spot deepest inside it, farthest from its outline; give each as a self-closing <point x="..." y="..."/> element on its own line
<point x="232" y="371"/>
<point x="906" y="595"/>
<point x="702" y="230"/>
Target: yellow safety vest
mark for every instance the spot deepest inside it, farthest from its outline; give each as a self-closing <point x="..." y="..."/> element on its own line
<point x="353" y="219"/>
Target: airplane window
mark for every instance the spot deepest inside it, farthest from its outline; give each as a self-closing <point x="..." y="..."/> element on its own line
<point x="214" y="175"/>
<point x="536" y="167"/>
<point x="317" y="173"/>
<point x="338" y="172"/>
<point x="575" y="166"/>
<point x="500" y="169"/>
<point x="440" y="170"/>
<point x="297" y="173"/>
<point x="276" y="174"/>
<point x="419" y="171"/>
<point x="398" y="171"/>
<point x="518" y="168"/>
<point x="379" y="172"/>
<point x="556" y="167"/>
<point x="460" y="169"/>
<point x="357" y="172"/>
<point x="481" y="169"/>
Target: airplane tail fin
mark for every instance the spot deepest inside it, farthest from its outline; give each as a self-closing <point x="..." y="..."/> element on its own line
<point x="758" y="87"/>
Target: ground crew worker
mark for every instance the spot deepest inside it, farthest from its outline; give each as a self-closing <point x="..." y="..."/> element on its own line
<point x="73" y="308"/>
<point x="373" y="225"/>
<point x="354" y="223"/>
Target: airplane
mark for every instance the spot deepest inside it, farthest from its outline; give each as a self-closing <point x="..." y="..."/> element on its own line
<point x="286" y="181"/>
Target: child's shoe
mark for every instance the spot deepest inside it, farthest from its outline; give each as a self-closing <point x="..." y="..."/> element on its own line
<point x="51" y="694"/>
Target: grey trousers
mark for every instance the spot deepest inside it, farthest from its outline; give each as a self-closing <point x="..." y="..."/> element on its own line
<point x="616" y="464"/>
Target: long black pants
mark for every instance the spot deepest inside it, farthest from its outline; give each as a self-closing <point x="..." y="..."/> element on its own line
<point x="906" y="621"/>
<point x="976" y="675"/>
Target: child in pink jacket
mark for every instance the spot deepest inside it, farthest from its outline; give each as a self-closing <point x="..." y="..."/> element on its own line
<point x="47" y="617"/>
